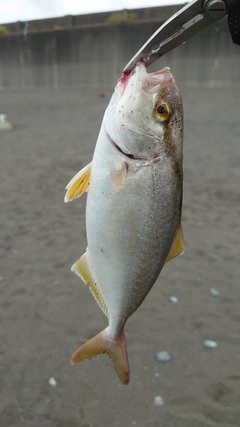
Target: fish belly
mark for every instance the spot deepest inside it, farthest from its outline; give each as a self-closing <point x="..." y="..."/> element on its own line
<point x="129" y="230"/>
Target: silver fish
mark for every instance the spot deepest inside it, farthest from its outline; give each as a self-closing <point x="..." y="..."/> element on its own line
<point x="134" y="202"/>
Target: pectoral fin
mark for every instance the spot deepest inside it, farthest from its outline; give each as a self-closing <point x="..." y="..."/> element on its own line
<point x="84" y="270"/>
<point x="78" y="184"/>
<point x="177" y="247"/>
<point x="119" y="176"/>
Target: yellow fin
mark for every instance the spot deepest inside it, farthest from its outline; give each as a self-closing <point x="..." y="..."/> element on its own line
<point x="101" y="344"/>
<point x="78" y="184"/>
<point x="86" y="273"/>
<point x="177" y="247"/>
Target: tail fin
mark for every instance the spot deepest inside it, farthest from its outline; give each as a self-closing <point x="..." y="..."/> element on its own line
<point x="101" y="344"/>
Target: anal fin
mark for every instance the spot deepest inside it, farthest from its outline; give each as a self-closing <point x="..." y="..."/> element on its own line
<point x="177" y="247"/>
<point x="78" y="184"/>
<point x="84" y="270"/>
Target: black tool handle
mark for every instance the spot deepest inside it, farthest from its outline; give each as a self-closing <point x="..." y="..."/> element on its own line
<point x="234" y="24"/>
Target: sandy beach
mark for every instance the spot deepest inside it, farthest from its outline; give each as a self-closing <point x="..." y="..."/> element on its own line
<point x="46" y="310"/>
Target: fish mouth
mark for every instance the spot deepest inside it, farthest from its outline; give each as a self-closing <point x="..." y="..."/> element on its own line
<point x="144" y="79"/>
<point x="156" y="81"/>
<point x="149" y="82"/>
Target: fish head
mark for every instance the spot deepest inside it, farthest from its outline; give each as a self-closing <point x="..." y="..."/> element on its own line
<point x="144" y="118"/>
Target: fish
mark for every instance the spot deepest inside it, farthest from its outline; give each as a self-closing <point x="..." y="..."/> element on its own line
<point x="134" y="204"/>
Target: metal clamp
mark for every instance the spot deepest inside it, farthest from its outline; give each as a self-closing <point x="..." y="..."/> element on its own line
<point x="215" y="8"/>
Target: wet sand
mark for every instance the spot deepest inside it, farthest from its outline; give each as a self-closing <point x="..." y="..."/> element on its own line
<point x="46" y="310"/>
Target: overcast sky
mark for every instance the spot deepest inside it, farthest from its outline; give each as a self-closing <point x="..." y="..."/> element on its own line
<point x="24" y="10"/>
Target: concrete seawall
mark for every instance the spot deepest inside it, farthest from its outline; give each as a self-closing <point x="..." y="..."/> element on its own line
<point x="93" y="56"/>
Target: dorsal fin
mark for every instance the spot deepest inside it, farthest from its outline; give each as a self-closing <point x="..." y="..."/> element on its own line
<point x="78" y="184"/>
<point x="177" y="247"/>
<point x="84" y="270"/>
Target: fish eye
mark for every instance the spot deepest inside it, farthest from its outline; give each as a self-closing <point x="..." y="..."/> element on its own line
<point x="162" y="111"/>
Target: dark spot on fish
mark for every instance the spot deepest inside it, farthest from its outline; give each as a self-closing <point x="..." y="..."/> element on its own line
<point x="131" y="112"/>
<point x="101" y="250"/>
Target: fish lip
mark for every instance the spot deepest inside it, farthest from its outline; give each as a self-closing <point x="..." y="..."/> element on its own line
<point x="152" y="82"/>
<point x="145" y="79"/>
<point x="148" y="82"/>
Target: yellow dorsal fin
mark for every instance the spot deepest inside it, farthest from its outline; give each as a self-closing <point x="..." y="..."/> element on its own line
<point x="177" y="247"/>
<point x="86" y="273"/>
<point x="78" y="184"/>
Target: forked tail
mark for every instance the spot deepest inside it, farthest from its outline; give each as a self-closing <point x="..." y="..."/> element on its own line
<point x="101" y="344"/>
